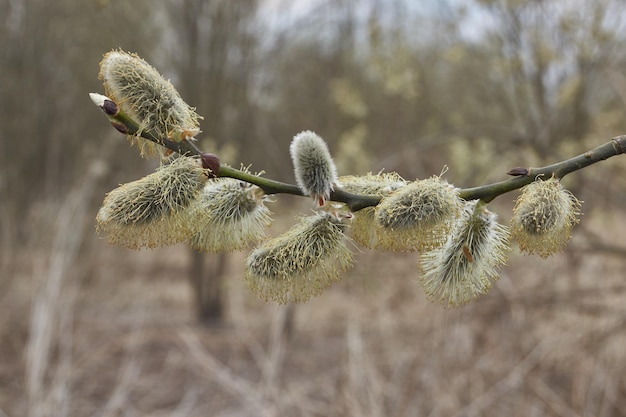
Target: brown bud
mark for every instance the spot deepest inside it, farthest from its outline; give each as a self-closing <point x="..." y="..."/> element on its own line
<point x="110" y="108"/>
<point x="211" y="162"/>
<point x="518" y="172"/>
<point x="120" y="127"/>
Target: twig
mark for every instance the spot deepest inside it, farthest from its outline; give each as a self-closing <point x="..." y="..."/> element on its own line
<point x="523" y="176"/>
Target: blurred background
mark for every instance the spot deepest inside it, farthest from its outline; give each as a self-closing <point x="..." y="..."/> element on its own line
<point x="479" y="86"/>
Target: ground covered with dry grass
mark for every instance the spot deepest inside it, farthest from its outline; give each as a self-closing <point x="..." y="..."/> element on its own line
<point x="92" y="330"/>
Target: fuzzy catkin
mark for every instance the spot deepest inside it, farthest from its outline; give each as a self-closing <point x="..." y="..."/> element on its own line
<point x="315" y="170"/>
<point x="228" y="215"/>
<point x="467" y="264"/>
<point x="150" y="212"/>
<point x="148" y="98"/>
<point x="417" y="216"/>
<point x="364" y="229"/>
<point x="543" y="217"/>
<point x="301" y="263"/>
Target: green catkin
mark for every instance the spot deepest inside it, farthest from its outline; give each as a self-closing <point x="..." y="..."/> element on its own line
<point x="301" y="263"/>
<point x="149" y="99"/>
<point x="417" y="216"/>
<point x="465" y="267"/>
<point x="150" y="212"/>
<point x="543" y="217"/>
<point x="228" y="215"/>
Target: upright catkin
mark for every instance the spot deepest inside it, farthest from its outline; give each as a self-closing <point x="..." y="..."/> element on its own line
<point x="315" y="170"/>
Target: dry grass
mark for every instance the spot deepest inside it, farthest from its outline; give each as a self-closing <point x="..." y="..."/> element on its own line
<point x="92" y="330"/>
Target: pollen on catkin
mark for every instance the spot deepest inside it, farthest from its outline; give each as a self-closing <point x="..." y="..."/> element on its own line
<point x="301" y="263"/>
<point x="364" y="228"/>
<point x="315" y="170"/>
<point x="543" y="217"/>
<point x="465" y="267"/>
<point x="228" y="215"/>
<point x="147" y="98"/>
<point x="417" y="216"/>
<point x="150" y="212"/>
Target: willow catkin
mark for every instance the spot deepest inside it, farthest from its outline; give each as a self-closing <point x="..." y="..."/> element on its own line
<point x="315" y="170"/>
<point x="417" y="216"/>
<point x="148" y="98"/>
<point x="228" y="215"/>
<point x="364" y="228"/>
<point x="150" y="212"/>
<point x="301" y="263"/>
<point x="543" y="217"/>
<point x="467" y="264"/>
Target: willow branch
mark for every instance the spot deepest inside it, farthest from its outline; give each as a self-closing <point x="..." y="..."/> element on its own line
<point x="523" y="176"/>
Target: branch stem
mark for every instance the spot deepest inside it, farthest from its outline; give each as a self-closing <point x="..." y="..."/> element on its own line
<point x="355" y="202"/>
<point x="487" y="193"/>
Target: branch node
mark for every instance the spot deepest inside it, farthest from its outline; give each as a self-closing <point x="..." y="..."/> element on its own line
<point x="619" y="142"/>
<point x="211" y="162"/>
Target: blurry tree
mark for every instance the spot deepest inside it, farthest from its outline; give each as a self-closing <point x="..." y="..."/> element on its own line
<point x="48" y="58"/>
<point x="547" y="59"/>
<point x="215" y="55"/>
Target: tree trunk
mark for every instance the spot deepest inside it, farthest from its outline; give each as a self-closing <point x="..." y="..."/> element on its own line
<point x="207" y="276"/>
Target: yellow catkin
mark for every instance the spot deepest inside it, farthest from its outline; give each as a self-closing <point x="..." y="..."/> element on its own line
<point x="417" y="216"/>
<point x="465" y="267"/>
<point x="150" y="212"/>
<point x="301" y="263"/>
<point x="228" y="215"/>
<point x="148" y="98"/>
<point x="364" y="229"/>
<point x="543" y="217"/>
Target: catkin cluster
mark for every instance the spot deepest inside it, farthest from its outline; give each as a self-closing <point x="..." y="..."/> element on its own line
<point x="462" y="244"/>
<point x="178" y="203"/>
